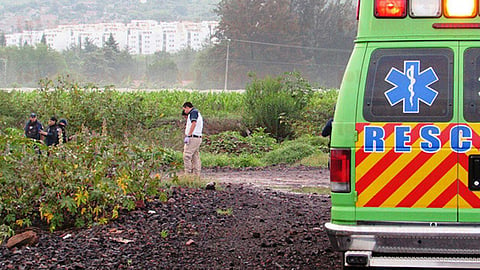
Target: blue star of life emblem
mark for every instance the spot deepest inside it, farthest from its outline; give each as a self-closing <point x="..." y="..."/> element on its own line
<point x="411" y="86"/>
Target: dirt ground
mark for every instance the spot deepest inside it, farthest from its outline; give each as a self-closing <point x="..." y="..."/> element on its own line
<point x="246" y="223"/>
<point x="280" y="177"/>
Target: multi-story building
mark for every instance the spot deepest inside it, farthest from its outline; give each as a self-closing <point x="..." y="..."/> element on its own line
<point x="138" y="37"/>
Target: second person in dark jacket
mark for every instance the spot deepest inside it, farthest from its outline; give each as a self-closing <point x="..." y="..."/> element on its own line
<point x="52" y="133"/>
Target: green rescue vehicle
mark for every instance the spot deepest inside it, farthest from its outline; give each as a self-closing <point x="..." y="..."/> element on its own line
<point x="405" y="146"/>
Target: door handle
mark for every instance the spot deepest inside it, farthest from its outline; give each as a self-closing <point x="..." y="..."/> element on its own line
<point x="474" y="172"/>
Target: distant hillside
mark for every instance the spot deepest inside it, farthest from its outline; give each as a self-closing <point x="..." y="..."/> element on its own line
<point x="22" y="15"/>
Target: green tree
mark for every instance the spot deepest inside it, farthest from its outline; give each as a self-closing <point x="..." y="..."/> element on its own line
<point x="331" y="27"/>
<point x="49" y="62"/>
<point x="88" y="46"/>
<point x="27" y="65"/>
<point x="185" y="60"/>
<point x="111" y="44"/>
<point x="327" y="24"/>
<point x="208" y="67"/>
<point x="94" y="66"/>
<point x="163" y="70"/>
<point x="252" y="26"/>
<point x="271" y="37"/>
<point x="43" y="40"/>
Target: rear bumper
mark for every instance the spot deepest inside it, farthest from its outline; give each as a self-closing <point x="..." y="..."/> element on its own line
<point x="398" y="239"/>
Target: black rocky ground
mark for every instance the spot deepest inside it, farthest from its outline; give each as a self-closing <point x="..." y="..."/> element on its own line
<point x="234" y="227"/>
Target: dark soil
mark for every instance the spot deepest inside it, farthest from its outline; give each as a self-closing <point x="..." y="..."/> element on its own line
<point x="237" y="226"/>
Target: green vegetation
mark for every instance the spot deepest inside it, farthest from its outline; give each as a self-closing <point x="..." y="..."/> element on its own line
<point x="232" y="142"/>
<point x="225" y="212"/>
<point x="317" y="159"/>
<point x="81" y="183"/>
<point x="164" y="234"/>
<point x="290" y="152"/>
<point x="128" y="149"/>
<point x="275" y="103"/>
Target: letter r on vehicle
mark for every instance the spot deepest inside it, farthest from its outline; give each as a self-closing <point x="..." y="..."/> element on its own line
<point x="374" y="139"/>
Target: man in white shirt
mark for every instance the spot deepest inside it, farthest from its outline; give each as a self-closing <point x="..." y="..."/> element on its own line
<point x="193" y="139"/>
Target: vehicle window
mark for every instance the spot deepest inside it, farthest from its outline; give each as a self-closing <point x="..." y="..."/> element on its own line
<point x="409" y="85"/>
<point x="471" y="85"/>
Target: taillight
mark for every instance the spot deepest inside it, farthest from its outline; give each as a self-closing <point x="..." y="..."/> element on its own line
<point x="358" y="10"/>
<point x="461" y="8"/>
<point x="340" y="170"/>
<point x="390" y="8"/>
<point x="425" y="8"/>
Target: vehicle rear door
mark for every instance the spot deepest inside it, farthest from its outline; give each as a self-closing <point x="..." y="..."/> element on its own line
<point x="405" y="169"/>
<point x="469" y="136"/>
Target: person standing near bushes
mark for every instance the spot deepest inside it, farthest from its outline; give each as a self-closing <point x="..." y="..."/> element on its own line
<point x="62" y="124"/>
<point x="33" y="127"/>
<point x="193" y="139"/>
<point x="53" y="132"/>
<point x="327" y="129"/>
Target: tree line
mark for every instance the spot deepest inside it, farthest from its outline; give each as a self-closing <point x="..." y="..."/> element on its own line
<point x="264" y="37"/>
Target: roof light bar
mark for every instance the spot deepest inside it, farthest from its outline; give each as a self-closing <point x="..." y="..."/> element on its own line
<point x="425" y="8"/>
<point x="460" y="8"/>
<point x="390" y="8"/>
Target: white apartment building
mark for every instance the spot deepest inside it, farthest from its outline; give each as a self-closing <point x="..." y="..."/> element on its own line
<point x="25" y="38"/>
<point x="138" y="37"/>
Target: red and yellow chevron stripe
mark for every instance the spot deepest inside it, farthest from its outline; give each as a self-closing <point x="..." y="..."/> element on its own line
<point x="415" y="178"/>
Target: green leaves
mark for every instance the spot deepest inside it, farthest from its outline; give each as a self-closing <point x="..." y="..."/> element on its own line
<point x="275" y="103"/>
<point x="232" y="142"/>
<point x="79" y="183"/>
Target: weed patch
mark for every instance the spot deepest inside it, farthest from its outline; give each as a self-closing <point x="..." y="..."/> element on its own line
<point x="80" y="183"/>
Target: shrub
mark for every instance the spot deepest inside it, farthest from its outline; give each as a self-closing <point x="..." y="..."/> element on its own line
<point x="320" y="143"/>
<point x="233" y="161"/>
<point x="79" y="183"/>
<point x="317" y="159"/>
<point x="232" y="142"/>
<point x="289" y="153"/>
<point x="317" y="112"/>
<point x="275" y="103"/>
<point x="246" y="160"/>
<point x="215" y="160"/>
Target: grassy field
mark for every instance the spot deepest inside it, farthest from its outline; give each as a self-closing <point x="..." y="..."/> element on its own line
<point x="127" y="144"/>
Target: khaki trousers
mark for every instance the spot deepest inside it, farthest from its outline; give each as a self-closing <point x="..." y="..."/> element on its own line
<point x="191" y="156"/>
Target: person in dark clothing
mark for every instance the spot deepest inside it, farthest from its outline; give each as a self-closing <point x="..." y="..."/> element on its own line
<point x="327" y="130"/>
<point x="33" y="127"/>
<point x="62" y="124"/>
<point x="52" y="133"/>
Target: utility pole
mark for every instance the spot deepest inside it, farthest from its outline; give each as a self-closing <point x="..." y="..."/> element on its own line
<point x="226" y="65"/>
